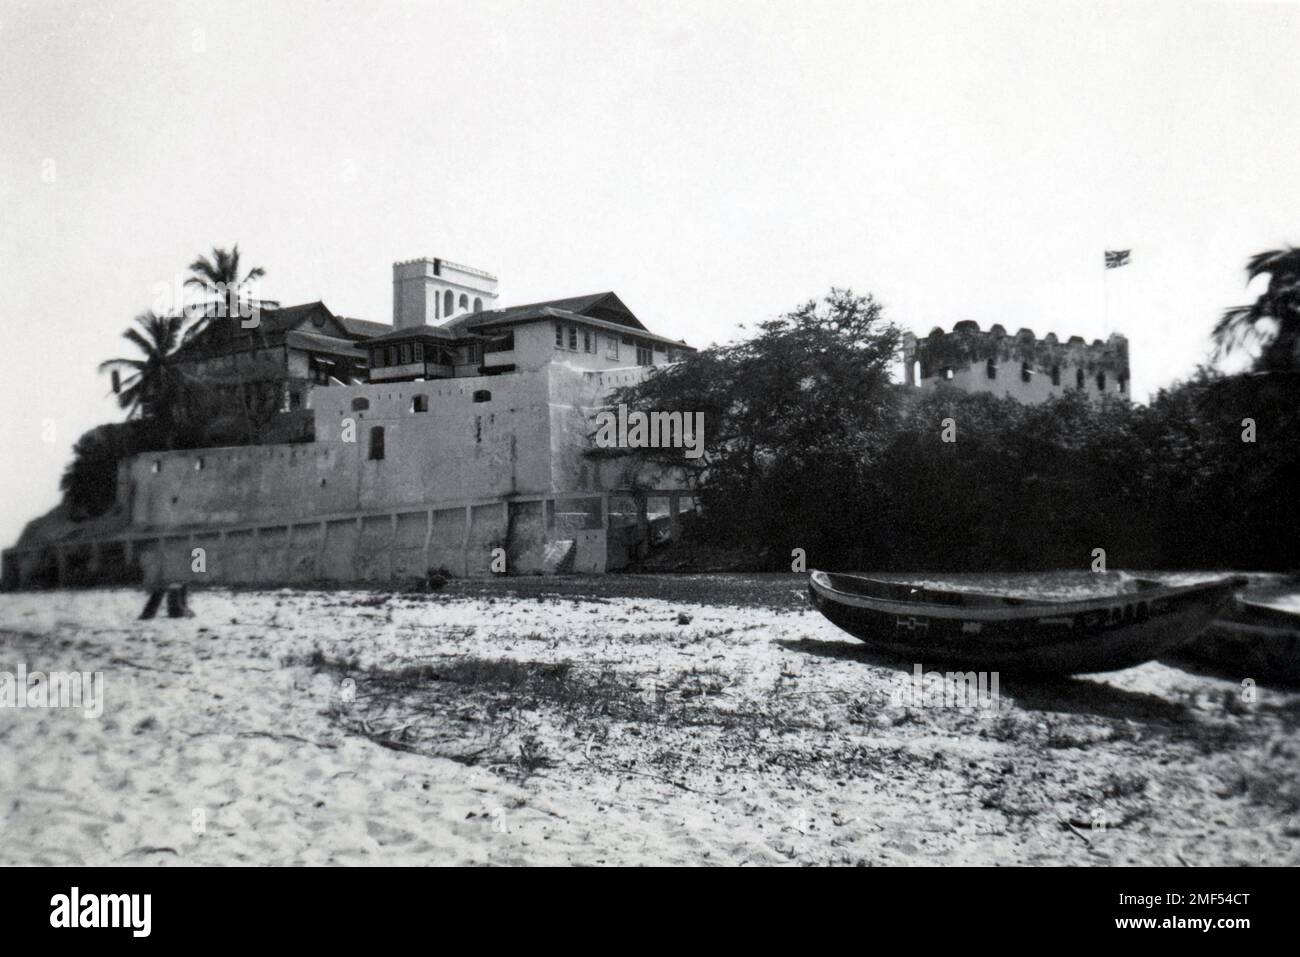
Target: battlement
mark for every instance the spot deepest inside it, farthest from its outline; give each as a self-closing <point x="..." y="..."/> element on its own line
<point x="1021" y="365"/>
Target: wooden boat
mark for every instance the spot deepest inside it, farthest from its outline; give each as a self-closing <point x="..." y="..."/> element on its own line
<point x="1020" y="635"/>
<point x="1250" y="640"/>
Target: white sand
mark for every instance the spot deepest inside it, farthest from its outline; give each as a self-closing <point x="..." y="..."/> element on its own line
<point x="793" y="754"/>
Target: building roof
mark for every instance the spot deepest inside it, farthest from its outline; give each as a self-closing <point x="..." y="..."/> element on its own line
<point x="217" y="335"/>
<point x="364" y="328"/>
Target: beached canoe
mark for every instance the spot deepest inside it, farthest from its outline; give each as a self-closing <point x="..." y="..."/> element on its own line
<point x="1020" y="635"/>
<point x="1250" y="640"/>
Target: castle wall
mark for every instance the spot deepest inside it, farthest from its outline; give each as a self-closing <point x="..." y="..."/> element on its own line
<point x="1024" y="366"/>
<point x="458" y="449"/>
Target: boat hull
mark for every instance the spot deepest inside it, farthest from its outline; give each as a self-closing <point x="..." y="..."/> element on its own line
<point x="1021" y="637"/>
<point x="1252" y="641"/>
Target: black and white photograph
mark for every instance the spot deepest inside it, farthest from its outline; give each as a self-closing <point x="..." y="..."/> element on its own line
<point x="614" y="433"/>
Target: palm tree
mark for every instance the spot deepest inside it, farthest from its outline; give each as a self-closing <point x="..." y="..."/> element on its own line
<point x="1278" y="305"/>
<point x="220" y="279"/>
<point x="151" y="384"/>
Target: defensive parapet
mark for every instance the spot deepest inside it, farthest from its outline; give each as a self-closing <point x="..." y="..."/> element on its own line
<point x="1021" y="366"/>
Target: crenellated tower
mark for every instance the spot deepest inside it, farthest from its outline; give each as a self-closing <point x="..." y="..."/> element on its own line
<point x="1021" y="366"/>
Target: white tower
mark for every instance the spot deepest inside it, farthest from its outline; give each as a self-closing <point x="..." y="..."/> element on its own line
<point x="428" y="291"/>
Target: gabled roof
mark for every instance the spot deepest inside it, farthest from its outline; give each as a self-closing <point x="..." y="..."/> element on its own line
<point x="599" y="305"/>
<point x="412" y="332"/>
<point x="364" y="328"/>
<point x="220" y="334"/>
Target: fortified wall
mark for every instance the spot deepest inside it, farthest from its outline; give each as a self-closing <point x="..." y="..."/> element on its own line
<point x="401" y="478"/>
<point x="1021" y="366"/>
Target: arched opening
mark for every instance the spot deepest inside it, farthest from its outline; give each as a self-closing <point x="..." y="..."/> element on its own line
<point x="1056" y="375"/>
<point x="1101" y="382"/>
<point x="1078" y="379"/>
<point x="360" y="404"/>
<point x="916" y="371"/>
<point x="482" y="395"/>
<point x="464" y="301"/>
<point x="990" y="369"/>
<point x="448" y="304"/>
<point x="478" y="304"/>
<point x="1025" y="372"/>
<point x="376" y="443"/>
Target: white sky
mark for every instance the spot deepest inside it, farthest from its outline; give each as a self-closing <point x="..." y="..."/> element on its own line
<point x="712" y="162"/>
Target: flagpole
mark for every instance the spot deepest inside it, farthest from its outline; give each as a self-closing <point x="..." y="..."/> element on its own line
<point x="1105" y="299"/>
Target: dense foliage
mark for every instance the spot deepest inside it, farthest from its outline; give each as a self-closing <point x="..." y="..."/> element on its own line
<point x="809" y="446"/>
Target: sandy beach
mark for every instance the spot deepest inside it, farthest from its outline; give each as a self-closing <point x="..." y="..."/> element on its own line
<point x="620" y="720"/>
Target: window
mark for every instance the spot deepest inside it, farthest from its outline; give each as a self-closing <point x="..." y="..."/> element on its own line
<point x="360" y="404"/>
<point x="586" y="341"/>
<point x="392" y="355"/>
<point x="417" y="351"/>
<point x="559" y="335"/>
<point x="1078" y="379"/>
<point x="501" y="343"/>
<point x="644" y="355"/>
<point x="1056" y="375"/>
<point x="611" y="347"/>
<point x="948" y="373"/>
<point x="482" y="395"/>
<point x="295" y="400"/>
<point x="420" y="403"/>
<point x="377" y="358"/>
<point x="1101" y="382"/>
<point x="1123" y="383"/>
<point x="991" y="369"/>
<point x="464" y="301"/>
<point x="156" y="467"/>
<point x="573" y="338"/>
<point x="474" y="353"/>
<point x="1025" y="372"/>
<point x="478" y="304"/>
<point x="198" y="464"/>
<point x="376" y="443"/>
<point x="405" y="350"/>
<point x="448" y="306"/>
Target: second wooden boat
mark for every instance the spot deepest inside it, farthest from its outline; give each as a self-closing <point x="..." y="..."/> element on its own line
<point x="1250" y="640"/>
<point x="1020" y="635"/>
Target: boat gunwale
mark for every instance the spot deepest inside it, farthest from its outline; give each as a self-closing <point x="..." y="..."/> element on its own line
<point x="1022" y="612"/>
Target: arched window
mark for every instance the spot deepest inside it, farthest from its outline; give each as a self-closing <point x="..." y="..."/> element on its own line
<point x="1056" y="375"/>
<point x="478" y="304"/>
<point x="1078" y="379"/>
<point x="1101" y="382"/>
<point x="360" y="404"/>
<point x="1123" y="383"/>
<point x="377" y="443"/>
<point x="448" y="304"/>
<point x="1025" y="373"/>
<point x="991" y="369"/>
<point x="482" y="395"/>
<point x="464" y="301"/>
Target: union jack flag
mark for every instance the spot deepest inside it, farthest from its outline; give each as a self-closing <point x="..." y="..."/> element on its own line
<point x="1117" y="257"/>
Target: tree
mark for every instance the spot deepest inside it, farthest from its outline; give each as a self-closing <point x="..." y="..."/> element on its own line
<point x="219" y="278"/>
<point x="1273" y="320"/>
<point x="151" y="389"/>
<point x="793" y="419"/>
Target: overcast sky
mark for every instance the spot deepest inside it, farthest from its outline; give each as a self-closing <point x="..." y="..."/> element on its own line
<point x="714" y="163"/>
